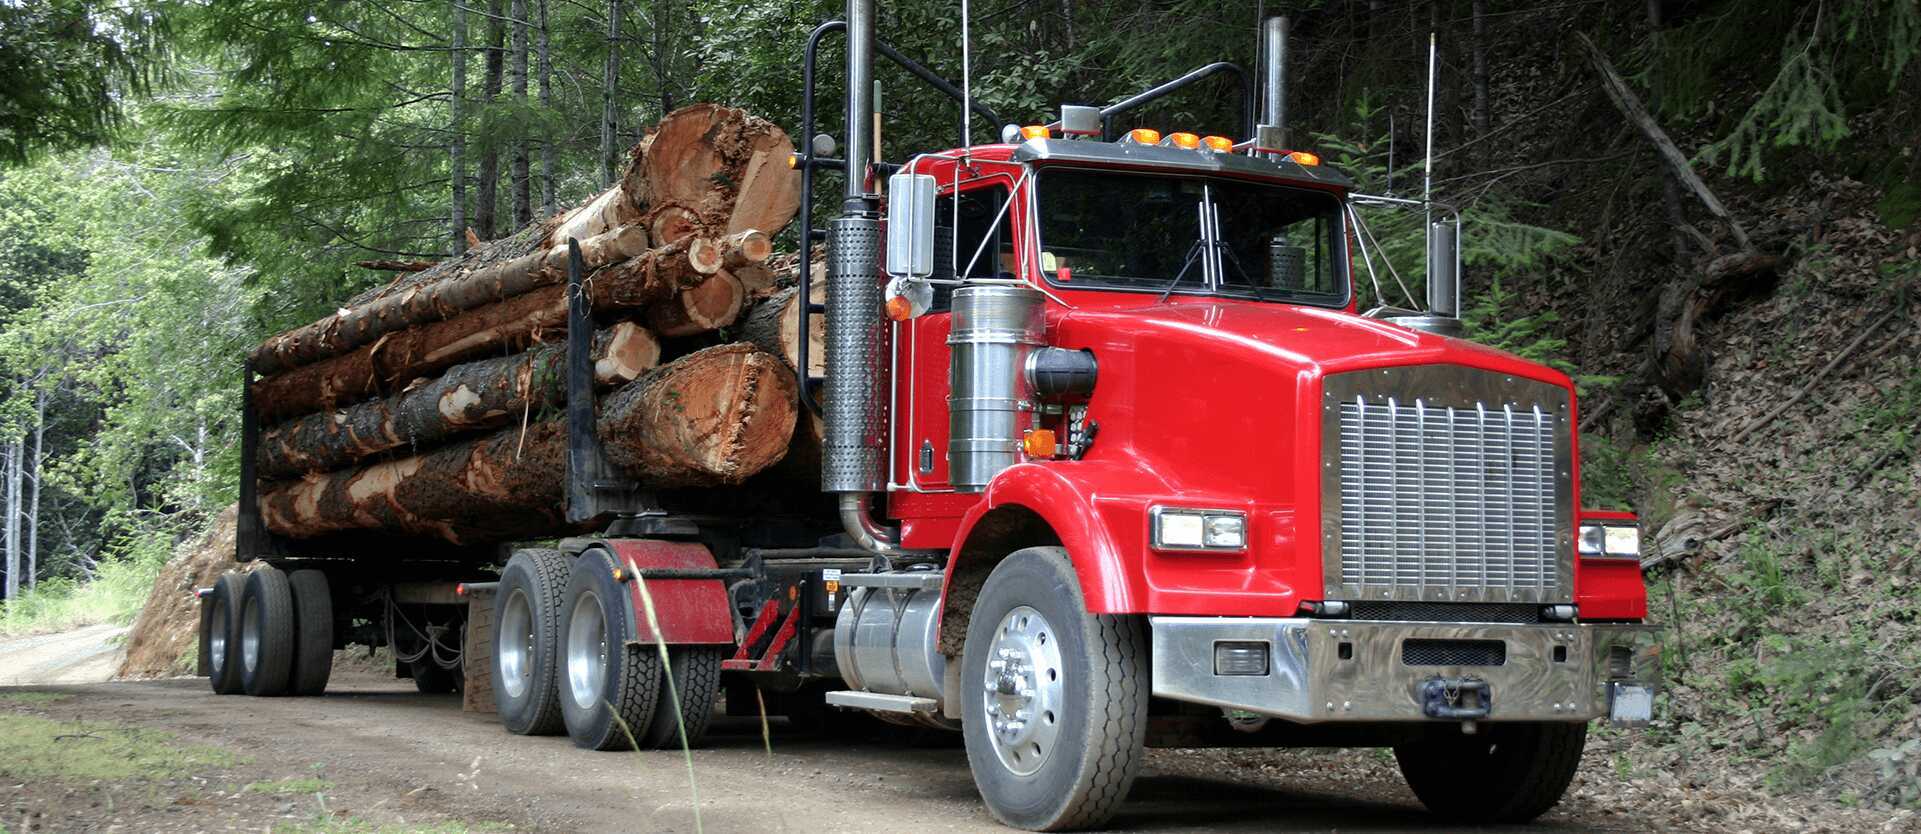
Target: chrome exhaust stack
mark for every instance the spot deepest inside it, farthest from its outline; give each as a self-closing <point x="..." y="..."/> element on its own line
<point x="1272" y="132"/>
<point x="856" y="409"/>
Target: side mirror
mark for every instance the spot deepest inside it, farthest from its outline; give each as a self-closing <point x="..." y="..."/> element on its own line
<point x="910" y="225"/>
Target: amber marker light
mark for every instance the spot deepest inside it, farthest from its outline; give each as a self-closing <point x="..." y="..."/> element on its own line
<point x="899" y="308"/>
<point x="1036" y="132"/>
<point x="793" y="160"/>
<point x="1144" y="136"/>
<point x="1304" y="158"/>
<point x="1219" y="144"/>
<point x="1184" y="140"/>
<point x="1038" y="443"/>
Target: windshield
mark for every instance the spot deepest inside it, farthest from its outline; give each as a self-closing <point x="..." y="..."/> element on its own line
<point x="1168" y="233"/>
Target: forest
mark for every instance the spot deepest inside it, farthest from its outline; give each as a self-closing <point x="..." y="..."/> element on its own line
<point x="1707" y="211"/>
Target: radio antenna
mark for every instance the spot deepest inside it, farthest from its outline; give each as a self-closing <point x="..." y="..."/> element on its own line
<point x="1427" y="170"/>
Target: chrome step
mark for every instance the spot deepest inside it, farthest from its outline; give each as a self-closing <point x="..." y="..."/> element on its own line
<point x="881" y="702"/>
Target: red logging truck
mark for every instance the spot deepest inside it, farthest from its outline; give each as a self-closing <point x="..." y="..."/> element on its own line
<point x="1112" y="459"/>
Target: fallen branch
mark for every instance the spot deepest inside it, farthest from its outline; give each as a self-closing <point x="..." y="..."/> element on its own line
<point x="1630" y="105"/>
<point x="1839" y="360"/>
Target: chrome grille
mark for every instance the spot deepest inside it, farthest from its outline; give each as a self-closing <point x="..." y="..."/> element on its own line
<point x="1448" y="484"/>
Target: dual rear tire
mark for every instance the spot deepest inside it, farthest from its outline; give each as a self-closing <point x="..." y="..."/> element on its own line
<point x="566" y="657"/>
<point x="268" y="633"/>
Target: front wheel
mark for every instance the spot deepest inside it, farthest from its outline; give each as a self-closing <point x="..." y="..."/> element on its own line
<point x="1504" y="773"/>
<point x="1055" y="698"/>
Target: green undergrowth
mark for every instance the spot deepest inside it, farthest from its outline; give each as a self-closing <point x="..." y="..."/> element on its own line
<point x="1796" y="655"/>
<point x="115" y="594"/>
<point x="40" y="748"/>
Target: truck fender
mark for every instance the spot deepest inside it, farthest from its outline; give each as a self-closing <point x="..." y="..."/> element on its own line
<point x="690" y="611"/>
<point x="1107" y="584"/>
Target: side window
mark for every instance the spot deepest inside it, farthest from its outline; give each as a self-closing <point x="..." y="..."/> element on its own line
<point x="955" y="244"/>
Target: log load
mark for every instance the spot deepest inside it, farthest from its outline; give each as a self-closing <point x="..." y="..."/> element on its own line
<point x="427" y="303"/>
<point x="471" y="397"/>
<point x="399" y="358"/>
<point x="774" y="325"/>
<point x="714" y="417"/>
<point x="718" y="169"/>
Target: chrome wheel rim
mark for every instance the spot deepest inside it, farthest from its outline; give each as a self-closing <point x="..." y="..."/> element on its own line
<point x="217" y="640"/>
<point x="250" y="634"/>
<point x="1025" y="690"/>
<point x="586" y="651"/>
<point x="515" y="647"/>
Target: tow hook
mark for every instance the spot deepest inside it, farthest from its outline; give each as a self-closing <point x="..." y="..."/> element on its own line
<point x="1456" y="699"/>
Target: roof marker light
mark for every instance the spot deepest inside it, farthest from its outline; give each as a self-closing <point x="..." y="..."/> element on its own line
<point x="1304" y="158"/>
<point x="1218" y="144"/>
<point x="1183" y="140"/>
<point x="1036" y="132"/>
<point x="1143" y="136"/>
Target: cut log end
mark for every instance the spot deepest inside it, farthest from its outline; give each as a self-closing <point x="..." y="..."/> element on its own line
<point x="713" y="304"/>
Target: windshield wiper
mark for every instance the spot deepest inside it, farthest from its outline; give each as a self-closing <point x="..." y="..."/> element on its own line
<point x="1200" y="248"/>
<point x="1192" y="253"/>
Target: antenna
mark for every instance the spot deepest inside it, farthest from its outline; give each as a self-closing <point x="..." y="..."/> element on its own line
<point x="967" y="87"/>
<point x="1427" y="170"/>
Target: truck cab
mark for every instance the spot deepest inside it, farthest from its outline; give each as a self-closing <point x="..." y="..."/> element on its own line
<point x="1135" y="384"/>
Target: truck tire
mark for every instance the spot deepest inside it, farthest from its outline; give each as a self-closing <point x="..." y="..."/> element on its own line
<point x="266" y="633"/>
<point x="220" y="634"/>
<point x="1059" y="740"/>
<point x="1504" y="773"/>
<point x="533" y="587"/>
<point x="608" y="689"/>
<point x="696" y="675"/>
<point x="313" y="631"/>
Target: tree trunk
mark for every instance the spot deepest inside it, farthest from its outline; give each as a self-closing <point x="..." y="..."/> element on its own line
<point x="517" y="82"/>
<point x="711" y="418"/>
<point x="478" y="395"/>
<point x="434" y="301"/>
<point x="774" y="326"/>
<point x="509" y="326"/>
<point x="714" y="304"/>
<point x="33" y="498"/>
<point x="487" y="192"/>
<point x="13" y="466"/>
<point x="548" y="203"/>
<point x="1479" y="70"/>
<point x="609" y="81"/>
<point x="457" y="133"/>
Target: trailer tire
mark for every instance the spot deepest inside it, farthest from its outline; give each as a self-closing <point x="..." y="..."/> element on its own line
<point x="608" y="688"/>
<point x="313" y="633"/>
<point x="220" y="634"/>
<point x="1504" y="773"/>
<point x="533" y="587"/>
<point x="266" y="633"/>
<point x="696" y="676"/>
<point x="1079" y="678"/>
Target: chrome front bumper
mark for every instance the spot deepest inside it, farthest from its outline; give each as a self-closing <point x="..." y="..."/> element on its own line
<point x="1356" y="670"/>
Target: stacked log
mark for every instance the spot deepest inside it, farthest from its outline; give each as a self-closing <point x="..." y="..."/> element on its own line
<point x="430" y="406"/>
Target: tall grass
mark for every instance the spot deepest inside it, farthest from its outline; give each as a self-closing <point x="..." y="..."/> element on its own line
<point x="115" y="594"/>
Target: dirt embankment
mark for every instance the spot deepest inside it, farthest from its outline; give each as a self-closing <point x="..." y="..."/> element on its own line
<point x="162" y="642"/>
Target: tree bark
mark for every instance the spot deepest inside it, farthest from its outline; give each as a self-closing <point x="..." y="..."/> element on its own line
<point x="434" y="301"/>
<point x="711" y="418"/>
<point x="478" y="395"/>
<point x="398" y="358"/>
<point x="487" y="190"/>
<point x="12" y="527"/>
<point x="396" y="266"/>
<point x="517" y="83"/>
<point x="457" y="133"/>
<point x="609" y="81"/>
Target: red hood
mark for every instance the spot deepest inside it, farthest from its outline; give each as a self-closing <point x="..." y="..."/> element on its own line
<point x="1313" y="340"/>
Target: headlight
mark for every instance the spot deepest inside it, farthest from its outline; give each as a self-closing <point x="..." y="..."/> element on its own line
<point x="1182" y="529"/>
<point x="1613" y="540"/>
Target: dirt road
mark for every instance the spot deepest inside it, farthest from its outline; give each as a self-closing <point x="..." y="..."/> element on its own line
<point x="374" y="753"/>
<point x="87" y="655"/>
